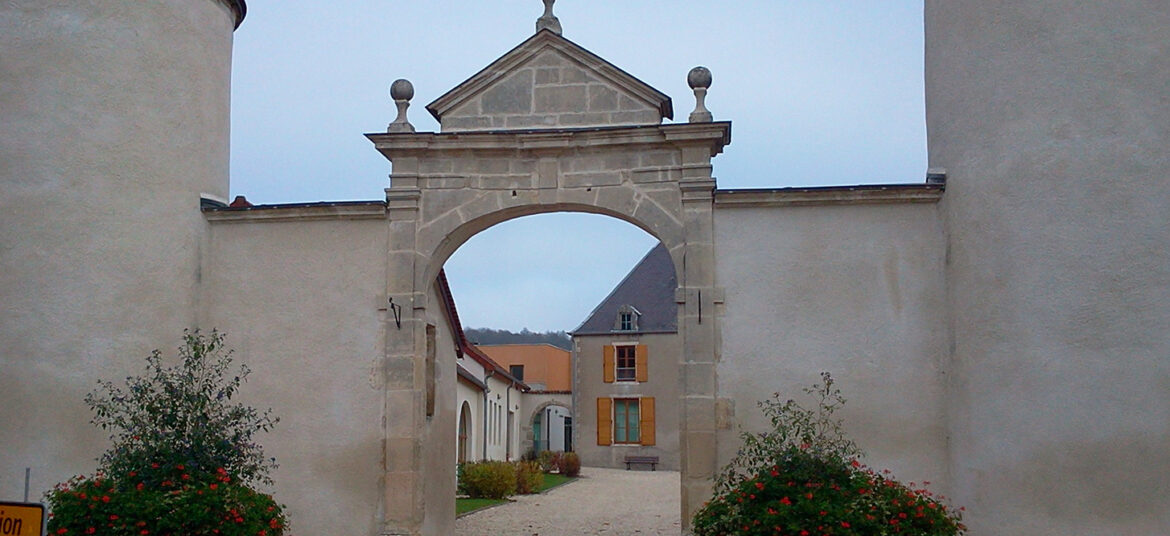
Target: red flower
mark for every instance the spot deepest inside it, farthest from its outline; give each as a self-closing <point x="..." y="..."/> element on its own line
<point x="759" y="485"/>
<point x="785" y="500"/>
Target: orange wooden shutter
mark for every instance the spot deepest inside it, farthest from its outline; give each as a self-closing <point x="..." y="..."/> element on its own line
<point x="641" y="363"/>
<point x="604" y="421"/>
<point x="646" y="416"/>
<point x="607" y="366"/>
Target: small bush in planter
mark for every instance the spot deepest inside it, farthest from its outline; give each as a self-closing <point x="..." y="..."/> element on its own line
<point x="803" y="478"/>
<point x="529" y="477"/>
<point x="489" y="479"/>
<point x="569" y="464"/>
<point x="183" y="457"/>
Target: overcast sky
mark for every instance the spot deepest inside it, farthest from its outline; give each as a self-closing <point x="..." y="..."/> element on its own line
<point x="819" y="92"/>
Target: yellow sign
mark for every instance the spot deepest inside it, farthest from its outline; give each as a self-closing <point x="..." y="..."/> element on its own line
<point x="21" y="519"/>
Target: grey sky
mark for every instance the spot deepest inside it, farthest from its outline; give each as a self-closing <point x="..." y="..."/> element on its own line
<point x="818" y="91"/>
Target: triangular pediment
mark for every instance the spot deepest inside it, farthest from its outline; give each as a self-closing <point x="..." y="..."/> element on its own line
<point x="549" y="82"/>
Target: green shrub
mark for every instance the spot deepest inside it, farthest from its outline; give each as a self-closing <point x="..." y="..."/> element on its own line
<point x="803" y="477"/>
<point x="548" y="461"/>
<point x="489" y="479"/>
<point x="569" y="464"/>
<point x="183" y="457"/>
<point x="529" y="477"/>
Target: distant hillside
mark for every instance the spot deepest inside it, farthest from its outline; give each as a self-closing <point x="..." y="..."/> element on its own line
<point x="560" y="339"/>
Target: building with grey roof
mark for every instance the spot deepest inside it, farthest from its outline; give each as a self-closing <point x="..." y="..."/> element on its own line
<point x="626" y="355"/>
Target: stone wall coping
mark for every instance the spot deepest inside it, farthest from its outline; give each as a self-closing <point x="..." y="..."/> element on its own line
<point x="240" y="7"/>
<point x="340" y="210"/>
<point x="394" y="144"/>
<point x="547" y="39"/>
<point x="829" y="195"/>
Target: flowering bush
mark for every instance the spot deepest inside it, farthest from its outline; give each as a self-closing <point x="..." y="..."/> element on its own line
<point x="803" y="478"/>
<point x="182" y="457"/>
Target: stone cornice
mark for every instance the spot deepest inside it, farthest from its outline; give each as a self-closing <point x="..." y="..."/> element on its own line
<point x="830" y="195"/>
<point x="239" y="7"/>
<point x="348" y="210"/>
<point x="413" y="143"/>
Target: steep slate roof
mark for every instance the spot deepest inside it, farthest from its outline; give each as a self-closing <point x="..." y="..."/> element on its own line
<point x="649" y="288"/>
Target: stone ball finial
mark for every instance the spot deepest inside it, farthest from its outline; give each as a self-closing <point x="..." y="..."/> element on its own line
<point x="401" y="91"/>
<point x="699" y="77"/>
<point x="548" y="21"/>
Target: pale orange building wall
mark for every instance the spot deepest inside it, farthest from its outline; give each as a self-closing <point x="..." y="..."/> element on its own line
<point x="543" y="363"/>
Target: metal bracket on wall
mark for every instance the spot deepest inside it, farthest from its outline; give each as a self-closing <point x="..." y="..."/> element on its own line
<point x="397" y="310"/>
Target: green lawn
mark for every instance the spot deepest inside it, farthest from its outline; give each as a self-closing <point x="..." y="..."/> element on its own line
<point x="465" y="505"/>
<point x="552" y="480"/>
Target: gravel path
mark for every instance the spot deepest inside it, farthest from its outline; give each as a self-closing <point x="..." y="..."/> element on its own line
<point x="613" y="502"/>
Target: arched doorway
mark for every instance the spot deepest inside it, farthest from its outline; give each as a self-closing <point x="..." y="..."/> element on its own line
<point x="552" y="427"/>
<point x="447" y="187"/>
<point x="463" y="447"/>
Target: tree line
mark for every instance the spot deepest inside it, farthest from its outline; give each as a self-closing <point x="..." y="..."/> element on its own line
<point x="560" y="339"/>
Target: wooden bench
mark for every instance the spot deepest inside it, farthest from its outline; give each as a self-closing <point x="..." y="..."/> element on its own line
<point x="651" y="460"/>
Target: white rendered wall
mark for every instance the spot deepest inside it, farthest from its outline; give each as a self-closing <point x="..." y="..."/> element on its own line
<point x="300" y="304"/>
<point x="113" y="121"/>
<point x="855" y="290"/>
<point x="1052" y="121"/>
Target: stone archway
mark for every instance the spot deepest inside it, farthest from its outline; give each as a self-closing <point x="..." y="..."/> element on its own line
<point x="535" y="431"/>
<point x="446" y="187"/>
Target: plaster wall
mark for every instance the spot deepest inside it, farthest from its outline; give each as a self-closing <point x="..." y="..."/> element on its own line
<point x="664" y="354"/>
<point x="503" y="436"/>
<point x="299" y="302"/>
<point x="1052" y="122"/>
<point x="855" y="290"/>
<point x="474" y="399"/>
<point x="436" y="442"/>
<point x="113" y="121"/>
<point x="546" y="367"/>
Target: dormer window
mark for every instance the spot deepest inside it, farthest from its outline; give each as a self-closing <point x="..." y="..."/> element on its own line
<point x="627" y="319"/>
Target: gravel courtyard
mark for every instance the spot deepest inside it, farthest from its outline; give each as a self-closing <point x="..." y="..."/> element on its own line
<point x="613" y="502"/>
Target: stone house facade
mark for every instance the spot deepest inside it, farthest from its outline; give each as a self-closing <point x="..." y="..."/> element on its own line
<point x="625" y="355"/>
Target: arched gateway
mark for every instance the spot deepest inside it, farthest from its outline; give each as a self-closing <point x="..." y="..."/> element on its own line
<point x="548" y="127"/>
